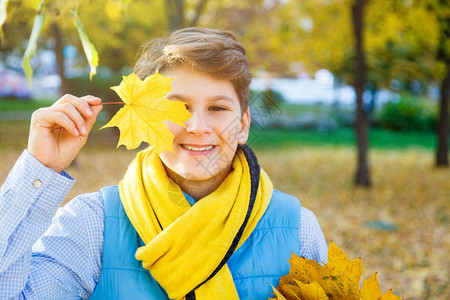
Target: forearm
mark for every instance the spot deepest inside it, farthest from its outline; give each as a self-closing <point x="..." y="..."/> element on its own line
<point x="312" y="241"/>
<point x="28" y="200"/>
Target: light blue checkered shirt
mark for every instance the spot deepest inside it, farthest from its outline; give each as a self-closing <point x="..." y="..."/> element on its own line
<point x="60" y="257"/>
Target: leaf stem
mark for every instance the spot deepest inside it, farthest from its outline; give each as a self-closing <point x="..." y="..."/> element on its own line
<point x="106" y="103"/>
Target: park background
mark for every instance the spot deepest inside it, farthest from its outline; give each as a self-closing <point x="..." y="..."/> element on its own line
<point x="322" y="68"/>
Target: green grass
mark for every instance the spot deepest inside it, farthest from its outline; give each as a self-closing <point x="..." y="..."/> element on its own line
<point x="379" y="138"/>
<point x="14" y="104"/>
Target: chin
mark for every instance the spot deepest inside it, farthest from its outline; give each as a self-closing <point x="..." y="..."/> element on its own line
<point x="196" y="175"/>
<point x="191" y="170"/>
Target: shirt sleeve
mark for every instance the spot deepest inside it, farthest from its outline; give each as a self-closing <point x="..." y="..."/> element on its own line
<point x="312" y="241"/>
<point x="41" y="256"/>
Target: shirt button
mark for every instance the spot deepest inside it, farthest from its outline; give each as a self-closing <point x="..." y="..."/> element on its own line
<point x="37" y="184"/>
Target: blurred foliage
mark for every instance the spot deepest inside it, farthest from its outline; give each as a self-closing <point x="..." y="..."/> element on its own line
<point x="401" y="39"/>
<point x="409" y="113"/>
<point x="17" y="27"/>
<point x="120" y="31"/>
<point x="283" y="37"/>
<point x="268" y="98"/>
<point x="100" y="86"/>
<point x="117" y="28"/>
<point x="271" y="99"/>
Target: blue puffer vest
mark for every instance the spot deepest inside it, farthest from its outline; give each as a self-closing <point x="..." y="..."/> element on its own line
<point x="256" y="265"/>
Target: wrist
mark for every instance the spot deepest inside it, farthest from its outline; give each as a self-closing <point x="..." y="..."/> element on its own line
<point x="46" y="164"/>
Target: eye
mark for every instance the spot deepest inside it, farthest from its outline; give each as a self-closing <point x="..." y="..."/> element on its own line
<point x="217" y="108"/>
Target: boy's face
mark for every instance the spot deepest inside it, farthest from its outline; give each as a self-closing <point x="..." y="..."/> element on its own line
<point x="205" y="149"/>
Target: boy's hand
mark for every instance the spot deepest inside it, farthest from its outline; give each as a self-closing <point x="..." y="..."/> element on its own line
<point x="58" y="132"/>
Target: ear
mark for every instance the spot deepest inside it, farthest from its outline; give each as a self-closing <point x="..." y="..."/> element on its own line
<point x="245" y="127"/>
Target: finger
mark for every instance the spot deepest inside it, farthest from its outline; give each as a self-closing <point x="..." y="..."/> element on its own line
<point x="73" y="114"/>
<point x="79" y="103"/>
<point x="52" y="119"/>
<point x="92" y="100"/>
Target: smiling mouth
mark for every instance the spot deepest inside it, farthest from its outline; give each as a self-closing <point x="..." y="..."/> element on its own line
<point x="195" y="148"/>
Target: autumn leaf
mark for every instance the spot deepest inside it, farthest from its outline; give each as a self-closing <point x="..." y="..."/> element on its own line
<point x="32" y="42"/>
<point x="338" y="285"/>
<point x="89" y="48"/>
<point x="290" y="291"/>
<point x="390" y="296"/>
<point x="145" y="110"/>
<point x="338" y="279"/>
<point x="312" y="291"/>
<point x="339" y="261"/>
<point x="278" y="295"/>
<point x="371" y="289"/>
<point x="302" y="269"/>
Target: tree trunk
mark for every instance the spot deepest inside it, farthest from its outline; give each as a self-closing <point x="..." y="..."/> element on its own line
<point x="362" y="176"/>
<point x="175" y="14"/>
<point x="198" y="12"/>
<point x="444" y="56"/>
<point x="58" y="49"/>
<point x="442" y="145"/>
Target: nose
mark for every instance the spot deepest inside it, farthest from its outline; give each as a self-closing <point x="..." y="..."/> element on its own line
<point x="198" y="124"/>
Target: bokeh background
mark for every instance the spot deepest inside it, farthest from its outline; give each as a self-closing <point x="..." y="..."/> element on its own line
<point x="349" y="109"/>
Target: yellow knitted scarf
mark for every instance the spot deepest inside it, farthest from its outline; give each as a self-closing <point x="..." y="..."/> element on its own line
<point x="185" y="245"/>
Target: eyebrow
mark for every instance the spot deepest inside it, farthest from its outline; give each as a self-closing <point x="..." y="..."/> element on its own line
<point x="214" y="98"/>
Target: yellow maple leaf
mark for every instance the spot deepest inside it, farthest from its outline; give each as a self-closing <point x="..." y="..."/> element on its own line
<point x="338" y="284"/>
<point x="302" y="269"/>
<point x="278" y="295"/>
<point x="311" y="291"/>
<point x="290" y="292"/>
<point x="390" y="296"/>
<point x="337" y="279"/>
<point x="145" y="110"/>
<point x="371" y="289"/>
<point x="339" y="261"/>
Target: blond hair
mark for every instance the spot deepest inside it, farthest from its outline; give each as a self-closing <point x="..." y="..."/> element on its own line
<point x="212" y="51"/>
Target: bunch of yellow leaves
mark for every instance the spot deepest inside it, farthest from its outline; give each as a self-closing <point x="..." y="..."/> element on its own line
<point x="337" y="279"/>
<point x="145" y="110"/>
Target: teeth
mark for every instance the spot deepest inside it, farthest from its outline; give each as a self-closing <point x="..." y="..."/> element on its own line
<point x="197" y="149"/>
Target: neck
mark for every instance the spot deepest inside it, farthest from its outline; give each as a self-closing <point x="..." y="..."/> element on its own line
<point x="198" y="189"/>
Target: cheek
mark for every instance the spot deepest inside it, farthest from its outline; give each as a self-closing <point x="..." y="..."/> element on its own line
<point x="169" y="159"/>
<point x="175" y="129"/>
<point x="229" y="131"/>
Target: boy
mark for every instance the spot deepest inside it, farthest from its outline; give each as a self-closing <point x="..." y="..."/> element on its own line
<point x="175" y="227"/>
